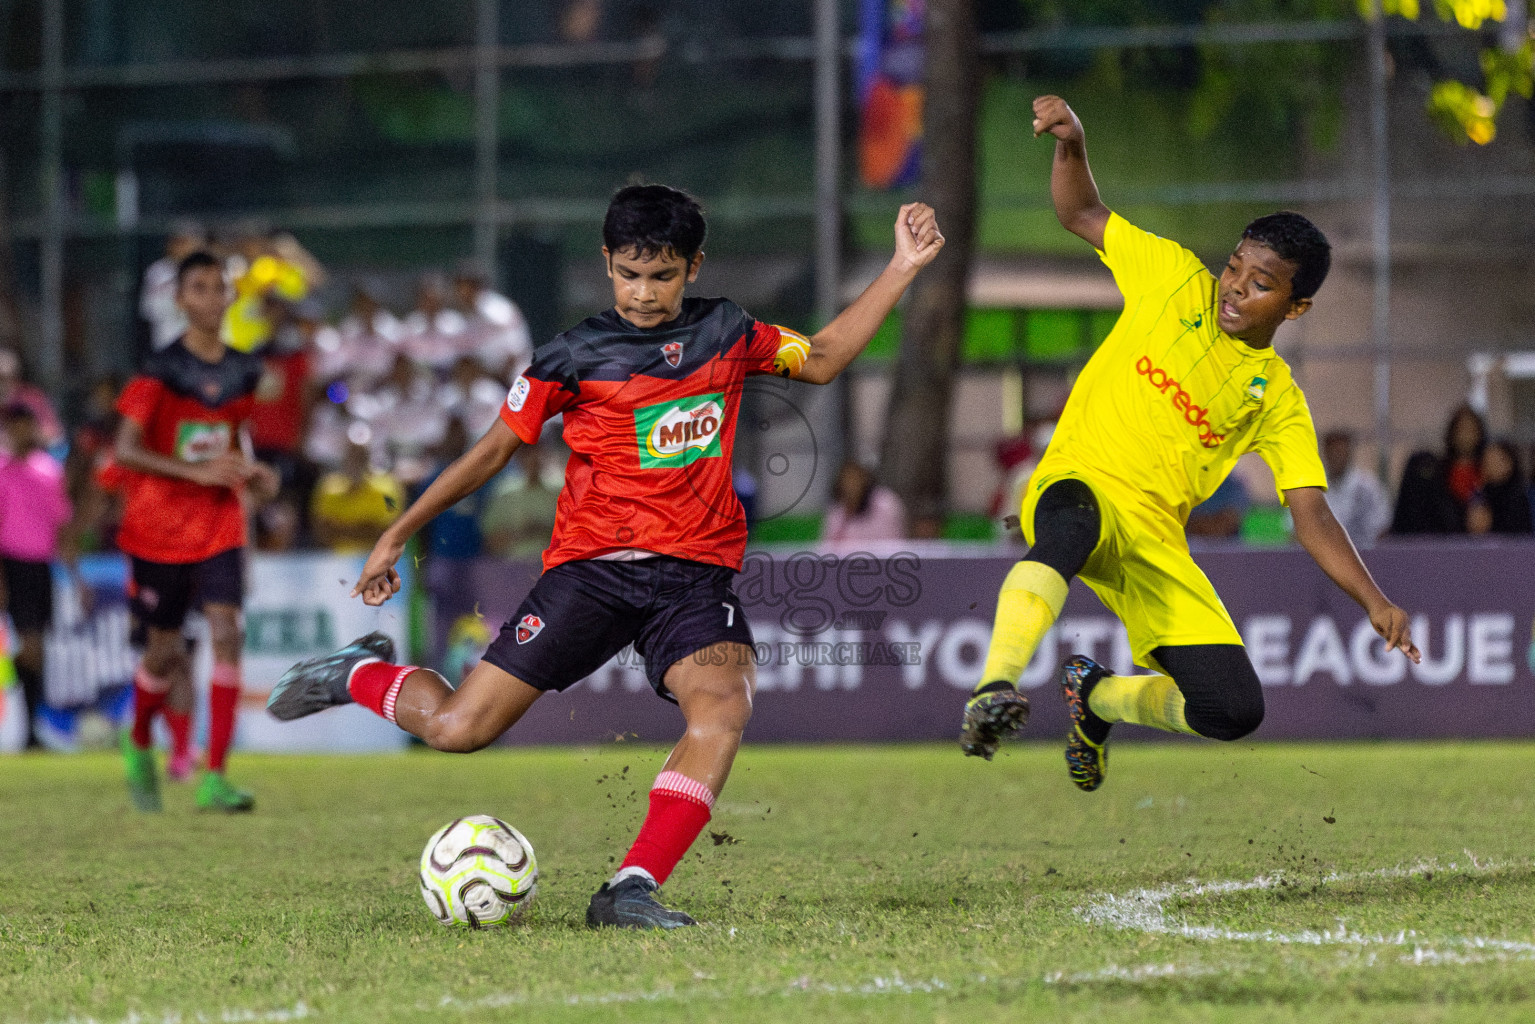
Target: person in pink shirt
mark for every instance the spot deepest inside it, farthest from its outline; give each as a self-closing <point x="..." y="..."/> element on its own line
<point x="34" y="511"/>
<point x="862" y="509"/>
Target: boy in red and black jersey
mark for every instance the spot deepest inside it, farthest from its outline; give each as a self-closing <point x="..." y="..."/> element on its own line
<point x="648" y="532"/>
<point x="184" y="446"/>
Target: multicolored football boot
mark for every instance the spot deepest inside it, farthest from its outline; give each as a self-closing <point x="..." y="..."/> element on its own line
<point x="1086" y="761"/>
<point x="995" y="712"/>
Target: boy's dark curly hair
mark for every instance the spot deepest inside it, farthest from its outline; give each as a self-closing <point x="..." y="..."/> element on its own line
<point x="652" y="219"/>
<point x="1296" y="239"/>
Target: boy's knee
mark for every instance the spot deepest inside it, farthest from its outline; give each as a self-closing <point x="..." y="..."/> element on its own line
<point x="1238" y="716"/>
<point x="453" y="736"/>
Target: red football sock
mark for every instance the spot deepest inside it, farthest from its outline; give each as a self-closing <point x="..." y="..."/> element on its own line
<point x="679" y="810"/>
<point x="180" y="723"/>
<point x="376" y="685"/>
<point x="223" y="703"/>
<point x="148" y="697"/>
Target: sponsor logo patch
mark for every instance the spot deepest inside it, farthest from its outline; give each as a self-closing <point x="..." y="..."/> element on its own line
<point x="1196" y="416"/>
<point x="672" y="350"/>
<point x="1256" y="387"/>
<point x="518" y="394"/>
<point x="197" y="441"/>
<point x="679" y="433"/>
<point x="528" y="627"/>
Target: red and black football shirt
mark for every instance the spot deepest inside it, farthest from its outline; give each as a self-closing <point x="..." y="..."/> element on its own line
<point x="650" y="417"/>
<point x="190" y="410"/>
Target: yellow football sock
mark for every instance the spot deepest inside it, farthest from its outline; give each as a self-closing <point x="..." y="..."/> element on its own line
<point x="1142" y="700"/>
<point x="1031" y="598"/>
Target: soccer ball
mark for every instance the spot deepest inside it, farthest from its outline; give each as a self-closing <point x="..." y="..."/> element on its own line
<point x="478" y="872"/>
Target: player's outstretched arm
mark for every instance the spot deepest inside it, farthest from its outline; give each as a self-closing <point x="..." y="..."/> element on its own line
<point x="1072" y="188"/>
<point x="833" y="347"/>
<point x="465" y="475"/>
<point x="1325" y="540"/>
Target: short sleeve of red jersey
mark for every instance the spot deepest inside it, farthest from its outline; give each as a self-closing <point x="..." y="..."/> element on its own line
<point x="776" y="350"/>
<point x="544" y="390"/>
<point x="139" y="399"/>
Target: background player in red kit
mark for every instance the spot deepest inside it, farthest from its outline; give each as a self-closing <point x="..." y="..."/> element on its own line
<point x="183" y="440"/>
<point x="648" y="534"/>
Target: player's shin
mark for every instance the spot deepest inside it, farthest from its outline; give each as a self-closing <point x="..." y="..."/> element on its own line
<point x="1152" y="700"/>
<point x="1027" y="606"/>
<point x="679" y="809"/>
<point x="149" y="692"/>
<point x="377" y="685"/>
<point x="223" y="705"/>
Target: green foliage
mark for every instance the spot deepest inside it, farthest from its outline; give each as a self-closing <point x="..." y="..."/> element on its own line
<point x="880" y="884"/>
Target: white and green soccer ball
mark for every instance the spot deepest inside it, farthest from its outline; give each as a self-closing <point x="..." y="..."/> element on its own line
<point x="478" y="872"/>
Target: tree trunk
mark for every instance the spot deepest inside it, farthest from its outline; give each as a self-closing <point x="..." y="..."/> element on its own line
<point x="914" y="461"/>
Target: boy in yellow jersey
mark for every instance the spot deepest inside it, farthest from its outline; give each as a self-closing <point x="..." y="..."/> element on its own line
<point x="1186" y="383"/>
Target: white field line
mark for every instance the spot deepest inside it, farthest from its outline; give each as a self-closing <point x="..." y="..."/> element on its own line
<point x="298" y="1011"/>
<point x="1143" y="910"/>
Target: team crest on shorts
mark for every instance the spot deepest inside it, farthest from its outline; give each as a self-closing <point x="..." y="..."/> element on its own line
<point x="672" y="350"/>
<point x="529" y="627"/>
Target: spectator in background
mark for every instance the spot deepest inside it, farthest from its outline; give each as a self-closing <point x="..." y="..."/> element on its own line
<point x="15" y="389"/>
<point x="363" y="348"/>
<point x="157" y="293"/>
<point x="862" y="509"/>
<point x="433" y="330"/>
<point x="518" y="521"/>
<point x="1221" y="514"/>
<point x="34" y="511"/>
<point x="351" y="508"/>
<point x="455" y="533"/>
<point x="1424" y="504"/>
<point x="1501" y="506"/>
<point x="472" y="395"/>
<point x="1465" y="438"/>
<point x="1356" y="497"/>
<point x="277" y="525"/>
<point x="284" y="394"/>
<point x="404" y="410"/>
<point x="497" y="335"/>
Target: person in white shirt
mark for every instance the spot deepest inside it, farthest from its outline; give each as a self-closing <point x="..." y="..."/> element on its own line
<point x="498" y="335"/>
<point x="1357" y="498"/>
<point x="157" y="295"/>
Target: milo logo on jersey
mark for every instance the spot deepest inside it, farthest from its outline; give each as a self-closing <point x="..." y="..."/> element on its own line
<point x="679" y="433"/>
<point x="199" y="442"/>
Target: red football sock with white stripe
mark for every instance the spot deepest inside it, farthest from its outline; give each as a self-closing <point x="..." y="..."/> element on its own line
<point x="376" y="685"/>
<point x="679" y="810"/>
<point x="223" y="704"/>
<point x="148" y="698"/>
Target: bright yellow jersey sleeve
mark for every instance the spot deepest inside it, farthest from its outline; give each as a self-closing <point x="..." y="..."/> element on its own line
<point x="1286" y="440"/>
<point x="1143" y="262"/>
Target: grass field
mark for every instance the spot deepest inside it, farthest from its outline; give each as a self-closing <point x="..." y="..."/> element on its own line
<point x="886" y="883"/>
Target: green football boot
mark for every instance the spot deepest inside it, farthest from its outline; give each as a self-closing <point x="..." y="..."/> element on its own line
<point x="214" y="793"/>
<point x="1087" y="760"/>
<point x="995" y="712"/>
<point x="143" y="777"/>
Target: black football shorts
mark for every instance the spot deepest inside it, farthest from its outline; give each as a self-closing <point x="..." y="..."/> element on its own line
<point x="579" y="614"/>
<point x="162" y="593"/>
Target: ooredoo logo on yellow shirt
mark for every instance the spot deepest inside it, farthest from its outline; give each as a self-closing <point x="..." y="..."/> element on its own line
<point x="1195" y="415"/>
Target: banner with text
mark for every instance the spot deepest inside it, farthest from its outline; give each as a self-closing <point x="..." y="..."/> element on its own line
<point x="861" y="646"/>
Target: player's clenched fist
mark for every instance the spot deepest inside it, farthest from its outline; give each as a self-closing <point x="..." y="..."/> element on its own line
<point x="917" y="238"/>
<point x="1053" y="115"/>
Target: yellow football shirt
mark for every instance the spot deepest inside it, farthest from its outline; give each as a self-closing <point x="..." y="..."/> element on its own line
<point x="1168" y="403"/>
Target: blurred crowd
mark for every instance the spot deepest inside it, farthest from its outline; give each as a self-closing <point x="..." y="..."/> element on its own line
<point x="363" y="403"/>
<point x="360" y="405"/>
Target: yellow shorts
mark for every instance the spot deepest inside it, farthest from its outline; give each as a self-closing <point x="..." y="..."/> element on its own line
<point x="1143" y="572"/>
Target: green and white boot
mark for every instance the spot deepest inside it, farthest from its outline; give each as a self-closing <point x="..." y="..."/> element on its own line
<point x="214" y="793"/>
